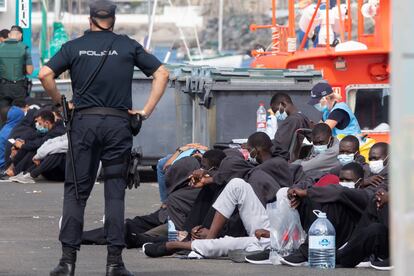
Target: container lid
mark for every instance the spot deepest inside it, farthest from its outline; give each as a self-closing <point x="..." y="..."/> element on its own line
<point x="319" y="214"/>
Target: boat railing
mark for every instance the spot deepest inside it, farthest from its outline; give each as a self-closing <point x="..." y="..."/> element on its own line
<point x="279" y="45"/>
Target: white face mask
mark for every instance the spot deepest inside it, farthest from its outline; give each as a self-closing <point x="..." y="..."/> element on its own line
<point x="346" y="158"/>
<point x="350" y="185"/>
<point x="281" y="116"/>
<point x="376" y="166"/>
<point x="252" y="160"/>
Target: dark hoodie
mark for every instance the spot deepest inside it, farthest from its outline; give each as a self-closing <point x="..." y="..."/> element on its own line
<point x="267" y="178"/>
<point x="26" y="127"/>
<point x="285" y="132"/>
<point x="231" y="167"/>
<point x="181" y="196"/>
<point x="384" y="184"/>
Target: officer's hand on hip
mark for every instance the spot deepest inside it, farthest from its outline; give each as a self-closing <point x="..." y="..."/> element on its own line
<point x="144" y="115"/>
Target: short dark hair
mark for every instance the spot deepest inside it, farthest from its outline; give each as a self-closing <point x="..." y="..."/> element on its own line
<point x="16" y="28"/>
<point x="214" y="157"/>
<point x="260" y="140"/>
<point x="4" y="33"/>
<point x="280" y="97"/>
<point x="351" y="139"/>
<point x="19" y="103"/>
<point x="382" y="146"/>
<point x="321" y="128"/>
<point x="31" y="101"/>
<point x="355" y="168"/>
<point x="47" y="115"/>
<point x="110" y="21"/>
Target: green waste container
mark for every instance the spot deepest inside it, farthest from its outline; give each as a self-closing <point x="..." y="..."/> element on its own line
<point x="226" y="100"/>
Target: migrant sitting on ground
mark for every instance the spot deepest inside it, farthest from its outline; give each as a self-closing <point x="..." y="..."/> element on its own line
<point x="324" y="154"/>
<point x="181" y="197"/>
<point x="349" y="152"/>
<point x="290" y="119"/>
<point x="24" y="150"/>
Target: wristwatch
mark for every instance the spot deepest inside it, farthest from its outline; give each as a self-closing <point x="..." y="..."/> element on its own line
<point x="144" y="115"/>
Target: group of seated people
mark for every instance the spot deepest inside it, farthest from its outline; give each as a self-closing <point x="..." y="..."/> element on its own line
<point x="216" y="198"/>
<point x="33" y="143"/>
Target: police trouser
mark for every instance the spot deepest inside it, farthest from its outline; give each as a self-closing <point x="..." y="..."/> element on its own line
<point x="10" y="92"/>
<point x="95" y="138"/>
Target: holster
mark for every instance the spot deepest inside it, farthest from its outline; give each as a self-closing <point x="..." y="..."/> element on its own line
<point x="135" y="122"/>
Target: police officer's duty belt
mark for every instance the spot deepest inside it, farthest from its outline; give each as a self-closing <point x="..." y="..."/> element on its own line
<point x="6" y="81"/>
<point x="103" y="111"/>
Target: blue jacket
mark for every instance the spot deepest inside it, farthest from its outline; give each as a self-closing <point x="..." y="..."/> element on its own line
<point x="353" y="126"/>
<point x="14" y="116"/>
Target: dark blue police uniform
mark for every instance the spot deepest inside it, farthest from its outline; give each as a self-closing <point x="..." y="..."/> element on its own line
<point x="96" y="135"/>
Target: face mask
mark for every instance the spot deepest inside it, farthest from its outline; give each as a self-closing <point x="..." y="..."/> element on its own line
<point x="252" y="160"/>
<point x="346" y="158"/>
<point x="281" y="116"/>
<point x="347" y="184"/>
<point x="41" y="129"/>
<point x="376" y="166"/>
<point x="321" y="108"/>
<point x="318" y="149"/>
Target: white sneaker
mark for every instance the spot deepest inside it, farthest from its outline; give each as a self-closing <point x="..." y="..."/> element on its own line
<point x="12" y="178"/>
<point x="24" y="179"/>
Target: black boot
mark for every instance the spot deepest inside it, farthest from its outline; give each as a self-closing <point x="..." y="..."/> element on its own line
<point x="114" y="264"/>
<point x="66" y="266"/>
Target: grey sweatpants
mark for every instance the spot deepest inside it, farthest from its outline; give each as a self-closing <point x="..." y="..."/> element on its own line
<point x="237" y="193"/>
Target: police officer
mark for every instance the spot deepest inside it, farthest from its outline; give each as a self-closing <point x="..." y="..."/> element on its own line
<point x="15" y="63"/>
<point x="100" y="126"/>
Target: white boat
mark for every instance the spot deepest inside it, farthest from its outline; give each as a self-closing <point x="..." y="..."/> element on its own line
<point x="221" y="61"/>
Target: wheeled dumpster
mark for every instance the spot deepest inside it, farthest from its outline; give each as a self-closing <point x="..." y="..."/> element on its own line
<point x="226" y="100"/>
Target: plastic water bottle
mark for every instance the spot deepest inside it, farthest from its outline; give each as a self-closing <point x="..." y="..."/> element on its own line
<point x="172" y="232"/>
<point x="261" y="118"/>
<point x="321" y="242"/>
<point x="273" y="256"/>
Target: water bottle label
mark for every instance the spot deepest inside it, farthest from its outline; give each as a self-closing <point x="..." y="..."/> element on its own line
<point x="261" y="125"/>
<point x="322" y="242"/>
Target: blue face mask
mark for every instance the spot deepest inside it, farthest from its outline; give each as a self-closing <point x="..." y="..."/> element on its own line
<point x="281" y="116"/>
<point x="41" y="129"/>
<point x="318" y="149"/>
<point x="321" y="108"/>
<point x="346" y="158"/>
